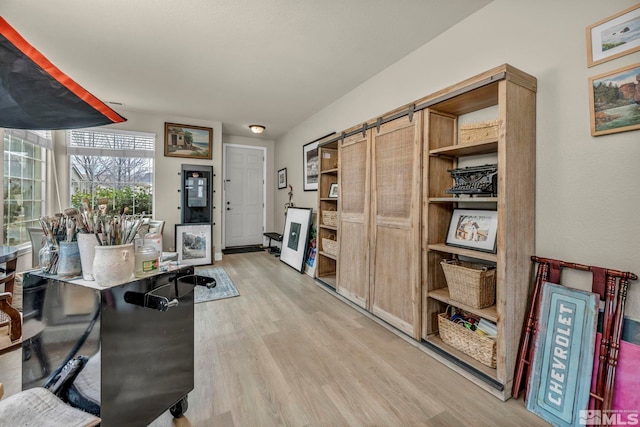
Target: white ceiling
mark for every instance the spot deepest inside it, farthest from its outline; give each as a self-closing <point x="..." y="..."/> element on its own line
<point x="272" y="62"/>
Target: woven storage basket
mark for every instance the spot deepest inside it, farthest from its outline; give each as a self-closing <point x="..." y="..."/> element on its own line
<point x="483" y="349"/>
<point x="481" y="131"/>
<point x="329" y="245"/>
<point x="330" y="218"/>
<point x="469" y="283"/>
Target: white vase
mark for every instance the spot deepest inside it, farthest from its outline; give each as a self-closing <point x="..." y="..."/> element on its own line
<point x="87" y="243"/>
<point x="113" y="265"/>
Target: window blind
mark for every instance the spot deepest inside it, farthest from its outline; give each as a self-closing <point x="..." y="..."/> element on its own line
<point x="110" y="143"/>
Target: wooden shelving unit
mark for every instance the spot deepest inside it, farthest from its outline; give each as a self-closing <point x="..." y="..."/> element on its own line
<point x="394" y="214"/>
<point x="326" y="270"/>
<point x="511" y="95"/>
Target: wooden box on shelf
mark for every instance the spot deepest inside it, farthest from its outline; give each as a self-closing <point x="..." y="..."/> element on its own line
<point x="480" y="131"/>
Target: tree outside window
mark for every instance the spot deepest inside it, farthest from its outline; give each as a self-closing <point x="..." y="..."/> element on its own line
<point x="112" y="168"/>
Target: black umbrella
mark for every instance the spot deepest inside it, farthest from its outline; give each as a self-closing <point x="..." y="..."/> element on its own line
<point x="35" y="94"/>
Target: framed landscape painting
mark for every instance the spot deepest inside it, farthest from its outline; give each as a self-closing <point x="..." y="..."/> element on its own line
<point x="614" y="99"/>
<point x="613" y="37"/>
<point x="193" y="244"/>
<point x="193" y="142"/>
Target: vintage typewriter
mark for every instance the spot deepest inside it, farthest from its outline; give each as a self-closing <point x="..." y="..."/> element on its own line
<point x="475" y="180"/>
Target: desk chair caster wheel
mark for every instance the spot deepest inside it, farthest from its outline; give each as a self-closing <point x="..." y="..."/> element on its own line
<point x="179" y="408"/>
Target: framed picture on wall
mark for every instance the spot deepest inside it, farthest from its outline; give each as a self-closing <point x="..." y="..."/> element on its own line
<point x="295" y="238"/>
<point x="473" y="229"/>
<point x="194" y="244"/>
<point x="614" y="100"/>
<point x="310" y="166"/>
<point x="613" y="37"/>
<point x="194" y="142"/>
<point x="282" y="178"/>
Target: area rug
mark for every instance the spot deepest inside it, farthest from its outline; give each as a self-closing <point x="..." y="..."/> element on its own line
<point x="242" y="250"/>
<point x="224" y="286"/>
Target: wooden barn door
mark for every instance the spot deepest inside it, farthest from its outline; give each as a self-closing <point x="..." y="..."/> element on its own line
<point x="355" y="190"/>
<point x="395" y="230"/>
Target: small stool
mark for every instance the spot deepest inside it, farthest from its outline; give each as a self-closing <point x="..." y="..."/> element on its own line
<point x="278" y="238"/>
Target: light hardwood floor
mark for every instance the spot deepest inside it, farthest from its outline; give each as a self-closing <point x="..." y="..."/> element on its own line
<point x="287" y="352"/>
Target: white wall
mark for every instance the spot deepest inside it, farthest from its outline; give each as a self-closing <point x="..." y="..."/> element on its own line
<point x="166" y="171"/>
<point x="587" y="196"/>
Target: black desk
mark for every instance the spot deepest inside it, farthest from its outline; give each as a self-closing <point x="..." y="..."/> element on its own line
<point x="278" y="238"/>
<point x="141" y="358"/>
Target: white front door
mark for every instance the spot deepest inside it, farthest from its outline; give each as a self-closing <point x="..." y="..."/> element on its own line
<point x="243" y="195"/>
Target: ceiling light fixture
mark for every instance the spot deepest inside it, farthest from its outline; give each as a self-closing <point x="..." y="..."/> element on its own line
<point x="257" y="128"/>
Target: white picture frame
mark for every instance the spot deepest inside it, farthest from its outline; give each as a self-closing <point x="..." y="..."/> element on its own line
<point x="333" y="191"/>
<point x="193" y="243"/>
<point x="473" y="229"/>
<point x="295" y="238"/>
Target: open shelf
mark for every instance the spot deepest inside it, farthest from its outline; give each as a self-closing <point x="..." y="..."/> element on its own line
<point x="441" y="247"/>
<point x="328" y="255"/>
<point x="327" y="264"/>
<point x="489" y="313"/>
<point x="328" y="227"/>
<point x="468" y="149"/>
<point x="463" y="200"/>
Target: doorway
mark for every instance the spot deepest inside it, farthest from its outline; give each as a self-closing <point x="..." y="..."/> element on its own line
<point x="244" y="195"/>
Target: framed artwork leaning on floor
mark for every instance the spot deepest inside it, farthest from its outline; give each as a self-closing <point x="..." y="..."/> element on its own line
<point x="295" y="238"/>
<point x="193" y="244"/>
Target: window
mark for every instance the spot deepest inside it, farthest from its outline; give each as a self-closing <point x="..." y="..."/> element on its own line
<point x="111" y="168"/>
<point x="24" y="177"/>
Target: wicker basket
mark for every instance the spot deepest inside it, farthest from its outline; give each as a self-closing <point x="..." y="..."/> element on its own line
<point x="477" y="132"/>
<point x="329" y="245"/>
<point x="481" y="348"/>
<point x="330" y="218"/>
<point x="469" y="283"/>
